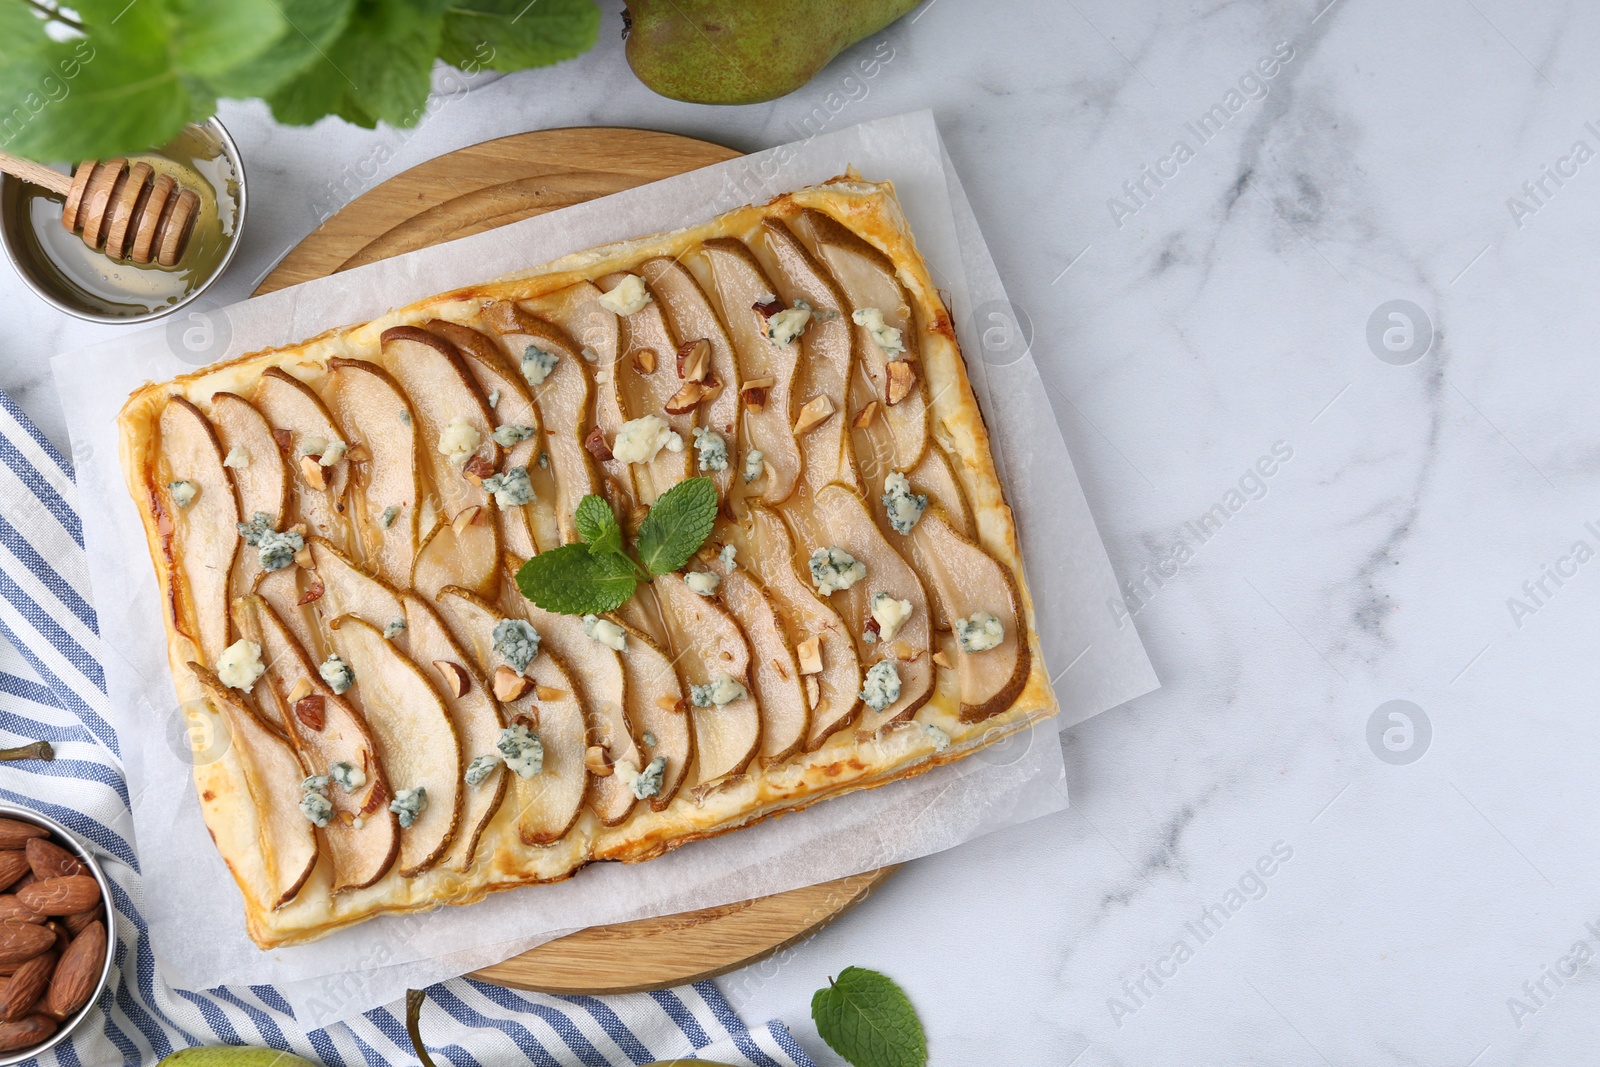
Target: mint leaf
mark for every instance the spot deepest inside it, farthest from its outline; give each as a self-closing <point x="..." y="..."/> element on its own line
<point x="90" y="97"/>
<point x="678" y="524"/>
<point x="313" y="27"/>
<point x="597" y="525"/>
<point x="867" y="1019"/>
<point x="514" y="34"/>
<point x="212" y="36"/>
<point x="387" y="54"/>
<point x="571" y="580"/>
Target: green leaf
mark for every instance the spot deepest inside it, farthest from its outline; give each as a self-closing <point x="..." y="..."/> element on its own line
<point x="313" y="27"/>
<point x="867" y="1019"/>
<point x="678" y="524"/>
<point x="597" y="525"/>
<point x="571" y="580"/>
<point x="515" y="34"/>
<point x="387" y="52"/>
<point x="316" y="92"/>
<point x="210" y="37"/>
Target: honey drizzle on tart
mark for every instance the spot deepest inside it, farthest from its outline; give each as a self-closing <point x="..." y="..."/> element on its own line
<point x="399" y="472"/>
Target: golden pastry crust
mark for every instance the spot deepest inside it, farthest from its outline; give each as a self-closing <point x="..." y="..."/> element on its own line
<point x="848" y="760"/>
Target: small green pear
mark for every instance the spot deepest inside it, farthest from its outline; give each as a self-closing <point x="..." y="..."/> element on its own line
<point x="233" y="1056"/>
<point x="739" y="52"/>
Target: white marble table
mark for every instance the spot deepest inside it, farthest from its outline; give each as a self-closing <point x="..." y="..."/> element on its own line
<point x="1432" y="881"/>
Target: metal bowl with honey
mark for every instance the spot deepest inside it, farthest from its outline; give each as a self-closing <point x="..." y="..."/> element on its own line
<point x="66" y="273"/>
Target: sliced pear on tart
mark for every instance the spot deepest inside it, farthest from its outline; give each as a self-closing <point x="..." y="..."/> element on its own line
<point x="810" y="622"/>
<point x="658" y="711"/>
<point x="971" y="582"/>
<point x="562" y="399"/>
<point x="849" y="526"/>
<point x="272" y="773"/>
<point x="769" y="409"/>
<point x="456" y="434"/>
<point x="262" y="483"/>
<point x="453" y="554"/>
<point x="476" y="713"/>
<point x="775" y="674"/>
<point x="205" y="533"/>
<point x="870" y="283"/>
<point x="549" y="802"/>
<point x="933" y="479"/>
<point x="291" y="594"/>
<point x="349" y="590"/>
<point x="645" y="382"/>
<point x="303" y="425"/>
<point x="692" y="320"/>
<point x="363" y="838"/>
<point x="711" y="654"/>
<point x="417" y="741"/>
<point x="375" y="412"/>
<point x="827" y="356"/>
<point x="522" y="528"/>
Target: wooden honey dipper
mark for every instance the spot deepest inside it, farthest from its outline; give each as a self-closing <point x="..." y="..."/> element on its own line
<point x="127" y="211"/>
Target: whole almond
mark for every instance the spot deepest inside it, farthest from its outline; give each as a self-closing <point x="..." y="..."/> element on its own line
<point x="23" y="941"/>
<point x="25" y="986"/>
<point x="61" y="896"/>
<point x="76" y="924"/>
<point x="50" y="860"/>
<point x="63" y="935"/>
<point x="13" y="865"/>
<point x="75" y="976"/>
<point x="14" y="910"/>
<point x="24" y="882"/>
<point x="15" y="833"/>
<point x="25" y="1032"/>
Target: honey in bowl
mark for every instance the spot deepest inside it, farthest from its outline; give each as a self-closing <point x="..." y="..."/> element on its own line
<point x="73" y="276"/>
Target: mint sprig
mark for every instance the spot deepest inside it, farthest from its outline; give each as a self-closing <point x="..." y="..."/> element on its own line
<point x="867" y="1019"/>
<point x="597" y="575"/>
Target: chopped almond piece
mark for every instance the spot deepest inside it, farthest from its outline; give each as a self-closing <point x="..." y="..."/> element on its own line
<point x="313" y="592"/>
<point x="301" y="688"/>
<point x="598" y="760"/>
<point x="902" y="379"/>
<point x="596" y="444"/>
<point x="358" y="453"/>
<point x="865" y="416"/>
<point x="455" y="677"/>
<point x="302" y="558"/>
<point x="284" y="439"/>
<point x="813" y="691"/>
<point x="478" y="468"/>
<point x="694" y="358"/>
<point x="768" y="308"/>
<point x="686" y="399"/>
<point x="644" y="361"/>
<point x="545" y="692"/>
<point x="941" y="659"/>
<point x="466" y="517"/>
<point x="509" y="685"/>
<point x="669" y="704"/>
<point x="312" y="471"/>
<point x="312" y="711"/>
<point x="809" y="652"/>
<point x="816" y="411"/>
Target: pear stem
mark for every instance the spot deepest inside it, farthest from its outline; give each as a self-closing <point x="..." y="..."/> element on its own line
<point x="414" y="1001"/>
<point x="40" y="750"/>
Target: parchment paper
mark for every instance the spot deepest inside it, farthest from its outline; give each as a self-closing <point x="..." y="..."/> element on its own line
<point x="191" y="904"/>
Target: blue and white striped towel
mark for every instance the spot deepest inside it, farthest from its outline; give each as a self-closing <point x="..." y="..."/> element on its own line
<point x="52" y="688"/>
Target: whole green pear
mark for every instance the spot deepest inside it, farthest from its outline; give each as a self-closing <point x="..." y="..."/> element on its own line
<point x="745" y="51"/>
<point x="233" y="1056"/>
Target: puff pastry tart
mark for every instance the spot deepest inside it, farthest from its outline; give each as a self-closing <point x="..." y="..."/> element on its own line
<point x="336" y="525"/>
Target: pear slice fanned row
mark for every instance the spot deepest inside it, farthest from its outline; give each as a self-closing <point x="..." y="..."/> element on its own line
<point x="338" y="526"/>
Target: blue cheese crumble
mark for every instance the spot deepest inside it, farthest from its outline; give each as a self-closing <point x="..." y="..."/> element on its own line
<point x="788" y="324"/>
<point x="409" y="804"/>
<point x="236" y="457"/>
<point x="722" y="689"/>
<point x="833" y="569"/>
<point x="904" y="506"/>
<point x="713" y="449"/>
<point x="645" y="783"/>
<point x="275" y="550"/>
<point x="183" y="492"/>
<point x="521" y="749"/>
<point x="979" y="632"/>
<point x="882" y="685"/>
<point x="314" y="803"/>
<point x="890" y="614"/>
<point x="512" y="488"/>
<point x="494" y="399"/>
<point x="516" y="642"/>
<point x="459" y="441"/>
<point x="348" y="776"/>
<point x="479" y="770"/>
<point x="886" y="337"/>
<point x="638" y="440"/>
<point x="536" y="364"/>
<point x="508" y="434"/>
<point x="317" y="783"/>
<point x="337" y="673"/>
<point x="725" y="557"/>
<point x="703" y="582"/>
<point x="390" y="513"/>
<point x="627" y="296"/>
<point x="333" y="453"/>
<point x="754" y="465"/>
<point x="240" y="665"/>
<point x="395" y="628"/>
<point x="940" y="739"/>
<point x="606" y="632"/>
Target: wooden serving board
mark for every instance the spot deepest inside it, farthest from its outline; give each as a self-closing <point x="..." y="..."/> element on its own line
<point x="475" y="189"/>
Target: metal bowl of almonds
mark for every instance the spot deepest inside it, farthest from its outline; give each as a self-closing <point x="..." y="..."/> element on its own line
<point x="56" y="930"/>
